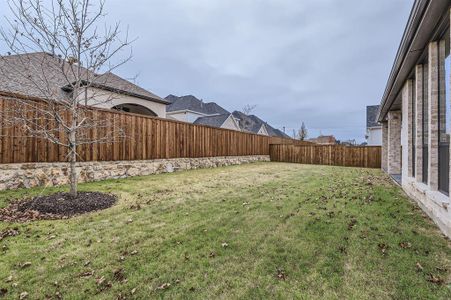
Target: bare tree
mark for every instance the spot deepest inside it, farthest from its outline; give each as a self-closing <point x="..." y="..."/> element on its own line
<point x="248" y="109"/>
<point x="302" y="132"/>
<point x="76" y="47"/>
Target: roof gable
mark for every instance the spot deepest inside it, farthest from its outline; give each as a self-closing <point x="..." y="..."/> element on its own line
<point x="191" y="103"/>
<point x="263" y="130"/>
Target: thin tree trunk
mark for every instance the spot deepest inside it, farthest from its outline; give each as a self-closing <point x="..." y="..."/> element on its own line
<point x="73" y="159"/>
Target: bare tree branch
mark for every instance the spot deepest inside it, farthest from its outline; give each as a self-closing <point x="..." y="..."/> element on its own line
<point x="76" y="53"/>
<point x="248" y="109"/>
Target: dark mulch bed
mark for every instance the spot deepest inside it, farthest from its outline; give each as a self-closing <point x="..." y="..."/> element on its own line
<point x="56" y="206"/>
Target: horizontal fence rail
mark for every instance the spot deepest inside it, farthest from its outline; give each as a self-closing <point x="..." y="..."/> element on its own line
<point x="334" y="155"/>
<point x="143" y="138"/>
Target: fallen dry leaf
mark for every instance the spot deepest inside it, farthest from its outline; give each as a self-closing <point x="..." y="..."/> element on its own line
<point x="8" y="232"/>
<point x="383" y="247"/>
<point x="86" y="273"/>
<point x="281" y="274"/>
<point x="164" y="286"/>
<point x="25" y="265"/>
<point x="434" y="279"/>
<point x="100" y="280"/>
<point x="419" y="267"/>
<point x="405" y="245"/>
<point x="119" y="275"/>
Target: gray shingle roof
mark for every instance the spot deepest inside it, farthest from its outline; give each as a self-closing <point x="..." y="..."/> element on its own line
<point x="249" y="123"/>
<point x="276" y="132"/>
<point x="371" y="116"/>
<point x="190" y="102"/>
<point x="252" y="123"/>
<point x="40" y="75"/>
<point x="214" y="121"/>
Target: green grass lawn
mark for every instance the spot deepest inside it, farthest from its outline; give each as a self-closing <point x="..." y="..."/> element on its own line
<point x="266" y="230"/>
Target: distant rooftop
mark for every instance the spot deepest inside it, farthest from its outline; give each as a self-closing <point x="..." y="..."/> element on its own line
<point x="192" y="103"/>
<point x="371" y="116"/>
<point x="214" y="121"/>
<point x="252" y="123"/>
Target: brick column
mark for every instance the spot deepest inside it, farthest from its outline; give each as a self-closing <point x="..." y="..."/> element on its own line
<point x="433" y="94"/>
<point x="385" y="146"/>
<point x="394" y="142"/>
<point x="419" y="122"/>
<point x="408" y="119"/>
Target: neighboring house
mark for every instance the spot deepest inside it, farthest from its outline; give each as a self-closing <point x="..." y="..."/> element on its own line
<point x="253" y="124"/>
<point x="40" y="75"/>
<point x="189" y="108"/>
<point x="226" y="121"/>
<point x="373" y="128"/>
<point x="193" y="110"/>
<point x="415" y="111"/>
<point x="352" y="142"/>
<point x="324" y="140"/>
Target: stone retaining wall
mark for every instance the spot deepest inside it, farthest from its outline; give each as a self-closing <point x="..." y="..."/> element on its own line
<point x="14" y="176"/>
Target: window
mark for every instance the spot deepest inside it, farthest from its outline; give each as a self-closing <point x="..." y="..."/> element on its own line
<point x="425" y="125"/>
<point x="444" y="117"/>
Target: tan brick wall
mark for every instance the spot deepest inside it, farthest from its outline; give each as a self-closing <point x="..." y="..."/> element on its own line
<point x="385" y="146"/>
<point x="394" y="142"/>
<point x="433" y="94"/>
<point x="419" y="123"/>
<point x="407" y="94"/>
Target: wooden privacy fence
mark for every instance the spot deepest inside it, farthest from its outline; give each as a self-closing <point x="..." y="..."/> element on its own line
<point x="334" y="155"/>
<point x="145" y="138"/>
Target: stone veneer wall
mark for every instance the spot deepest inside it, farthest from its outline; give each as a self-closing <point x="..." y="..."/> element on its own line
<point x="433" y="203"/>
<point x="14" y="176"/>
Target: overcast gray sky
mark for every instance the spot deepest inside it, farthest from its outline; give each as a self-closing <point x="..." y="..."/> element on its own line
<point x="317" y="61"/>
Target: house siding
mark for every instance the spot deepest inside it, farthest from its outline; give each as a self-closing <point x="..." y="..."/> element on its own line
<point x="374" y="136"/>
<point x="185" y="116"/>
<point x="230" y="124"/>
<point x="105" y="99"/>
